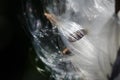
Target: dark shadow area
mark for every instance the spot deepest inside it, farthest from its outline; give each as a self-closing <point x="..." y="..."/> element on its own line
<point x="13" y="42"/>
<point x="14" y="45"/>
<point x="117" y="6"/>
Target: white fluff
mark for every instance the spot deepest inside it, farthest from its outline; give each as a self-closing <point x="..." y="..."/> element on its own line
<point x="96" y="51"/>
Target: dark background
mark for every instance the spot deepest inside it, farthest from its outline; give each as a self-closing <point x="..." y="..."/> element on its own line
<point x="15" y="55"/>
<point x="14" y="44"/>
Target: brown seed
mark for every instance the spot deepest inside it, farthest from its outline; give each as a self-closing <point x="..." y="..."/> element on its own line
<point x="65" y="51"/>
<point x="51" y="18"/>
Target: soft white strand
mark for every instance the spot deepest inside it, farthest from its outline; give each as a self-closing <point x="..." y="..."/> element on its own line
<point x="95" y="51"/>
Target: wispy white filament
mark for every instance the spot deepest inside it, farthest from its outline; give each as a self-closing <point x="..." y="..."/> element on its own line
<point x="95" y="53"/>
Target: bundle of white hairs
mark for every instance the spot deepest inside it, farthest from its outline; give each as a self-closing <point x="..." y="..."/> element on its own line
<point x="87" y="29"/>
<point x="90" y="31"/>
